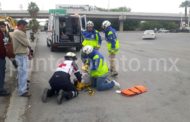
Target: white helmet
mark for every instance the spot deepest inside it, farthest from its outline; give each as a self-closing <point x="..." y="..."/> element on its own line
<point x="106" y="24"/>
<point x="87" y="49"/>
<point x="70" y="56"/>
<point x="90" y="24"/>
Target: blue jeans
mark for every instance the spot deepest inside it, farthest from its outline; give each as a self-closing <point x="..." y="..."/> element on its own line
<point x="22" y="61"/>
<point x="2" y="73"/>
<point x="102" y="83"/>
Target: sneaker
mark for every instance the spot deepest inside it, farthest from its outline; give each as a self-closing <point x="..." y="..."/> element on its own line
<point x="116" y="84"/>
<point x="26" y="94"/>
<point x="4" y="93"/>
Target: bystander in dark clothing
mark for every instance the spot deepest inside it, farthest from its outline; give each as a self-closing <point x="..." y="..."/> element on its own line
<point x="3" y="92"/>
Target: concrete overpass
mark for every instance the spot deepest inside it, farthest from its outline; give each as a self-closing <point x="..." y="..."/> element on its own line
<point x="121" y="16"/>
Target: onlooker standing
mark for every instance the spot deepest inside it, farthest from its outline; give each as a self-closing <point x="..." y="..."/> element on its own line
<point x="21" y="49"/>
<point x="3" y="92"/>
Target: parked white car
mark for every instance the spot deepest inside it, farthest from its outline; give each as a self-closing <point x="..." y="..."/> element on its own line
<point x="163" y="30"/>
<point x="149" y="34"/>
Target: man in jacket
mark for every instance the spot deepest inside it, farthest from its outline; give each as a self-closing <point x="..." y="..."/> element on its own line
<point x="3" y="92"/>
<point x="21" y="49"/>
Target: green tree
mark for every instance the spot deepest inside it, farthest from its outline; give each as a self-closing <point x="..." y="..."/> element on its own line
<point x="169" y="25"/>
<point x="121" y="9"/>
<point x="131" y="24"/>
<point x="33" y="10"/>
<point x="158" y="24"/>
<point x="185" y="5"/>
<point x="34" y="25"/>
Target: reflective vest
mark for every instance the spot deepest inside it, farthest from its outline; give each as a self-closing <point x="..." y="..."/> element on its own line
<point x="112" y="40"/>
<point x="92" y="41"/>
<point x="102" y="68"/>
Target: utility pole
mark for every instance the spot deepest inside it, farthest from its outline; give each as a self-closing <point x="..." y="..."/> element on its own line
<point x="0" y="6"/>
<point x="21" y="7"/>
<point x="108" y="5"/>
<point x="181" y="22"/>
<point x="189" y="18"/>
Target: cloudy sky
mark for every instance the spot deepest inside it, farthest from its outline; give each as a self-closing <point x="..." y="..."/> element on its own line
<point x="158" y="6"/>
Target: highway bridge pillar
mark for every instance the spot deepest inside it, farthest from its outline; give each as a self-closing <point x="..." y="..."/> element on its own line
<point x="121" y="22"/>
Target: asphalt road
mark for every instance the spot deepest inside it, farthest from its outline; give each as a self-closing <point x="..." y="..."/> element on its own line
<point x="167" y="99"/>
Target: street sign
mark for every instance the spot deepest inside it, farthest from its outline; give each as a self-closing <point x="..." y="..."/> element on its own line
<point x="57" y="11"/>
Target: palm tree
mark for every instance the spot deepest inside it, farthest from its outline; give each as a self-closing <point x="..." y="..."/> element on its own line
<point x="33" y="9"/>
<point x="185" y="5"/>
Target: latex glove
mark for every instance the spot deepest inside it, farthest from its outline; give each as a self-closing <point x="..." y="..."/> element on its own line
<point x="80" y="86"/>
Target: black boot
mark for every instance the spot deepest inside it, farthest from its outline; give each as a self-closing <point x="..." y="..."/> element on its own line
<point x="45" y="95"/>
<point x="70" y="95"/>
<point x="60" y="97"/>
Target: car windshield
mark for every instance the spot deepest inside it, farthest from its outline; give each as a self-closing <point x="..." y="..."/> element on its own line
<point x="148" y="32"/>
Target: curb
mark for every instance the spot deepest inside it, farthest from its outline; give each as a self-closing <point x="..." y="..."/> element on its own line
<point x="17" y="106"/>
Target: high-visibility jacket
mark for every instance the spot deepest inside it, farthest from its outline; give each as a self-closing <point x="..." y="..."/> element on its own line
<point x="98" y="66"/>
<point x="91" y="38"/>
<point x="112" y="41"/>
